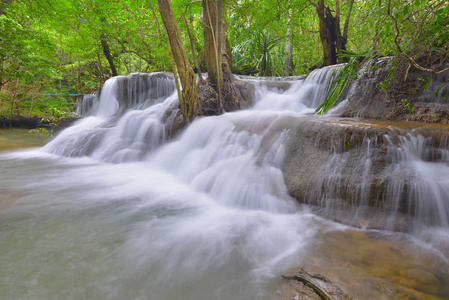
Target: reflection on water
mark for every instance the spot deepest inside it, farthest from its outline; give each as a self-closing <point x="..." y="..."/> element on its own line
<point x="16" y="138"/>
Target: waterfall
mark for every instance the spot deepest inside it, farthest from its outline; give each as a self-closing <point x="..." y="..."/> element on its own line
<point x="437" y="89"/>
<point x="87" y="105"/>
<point x="420" y="170"/>
<point x="239" y="157"/>
<point x="115" y="208"/>
<point x="128" y="121"/>
<point x="383" y="178"/>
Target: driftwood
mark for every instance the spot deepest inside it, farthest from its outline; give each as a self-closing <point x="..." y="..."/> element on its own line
<point x="320" y="285"/>
<point x="318" y="290"/>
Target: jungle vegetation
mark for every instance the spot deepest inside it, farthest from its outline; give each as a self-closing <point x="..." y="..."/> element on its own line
<point x="53" y="50"/>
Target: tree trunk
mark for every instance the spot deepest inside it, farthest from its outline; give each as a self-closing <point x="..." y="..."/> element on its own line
<point x="346" y="26"/>
<point x="188" y="97"/>
<point x="217" y="59"/>
<point x="220" y="47"/>
<point x="325" y="34"/>
<point x="330" y="32"/>
<point x="327" y="29"/>
<point x="210" y="40"/>
<point x="108" y="55"/>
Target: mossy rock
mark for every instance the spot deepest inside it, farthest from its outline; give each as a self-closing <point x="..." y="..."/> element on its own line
<point x="247" y="69"/>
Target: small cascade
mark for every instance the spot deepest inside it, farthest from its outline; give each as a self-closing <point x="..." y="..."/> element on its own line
<point x="437" y="90"/>
<point x="303" y="95"/>
<point x="136" y="133"/>
<point x="377" y="176"/>
<point x="128" y="121"/>
<point x="418" y="178"/>
<point x="87" y="105"/>
<point x="141" y="90"/>
<point x="239" y="166"/>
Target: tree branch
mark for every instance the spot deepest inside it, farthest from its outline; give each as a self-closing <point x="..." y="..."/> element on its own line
<point x="398" y="46"/>
<point x="314" y="4"/>
<point x="346" y="26"/>
<point x="193" y="2"/>
<point x="195" y="62"/>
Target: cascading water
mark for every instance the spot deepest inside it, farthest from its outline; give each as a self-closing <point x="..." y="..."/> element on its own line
<point x="437" y="90"/>
<point x="205" y="216"/>
<point x="87" y="105"/>
<point x="129" y="120"/>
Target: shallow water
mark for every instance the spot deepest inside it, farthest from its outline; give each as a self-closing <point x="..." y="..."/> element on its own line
<point x="16" y="138"/>
<point x="76" y="228"/>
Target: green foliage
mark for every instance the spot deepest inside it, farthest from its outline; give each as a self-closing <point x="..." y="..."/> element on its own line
<point x="52" y="122"/>
<point x="261" y="51"/>
<point x="53" y="46"/>
<point x="385" y="84"/>
<point x="342" y="77"/>
<point x="408" y="106"/>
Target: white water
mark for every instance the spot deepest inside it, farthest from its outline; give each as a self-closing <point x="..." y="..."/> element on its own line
<point x="87" y="105"/>
<point x="206" y="216"/>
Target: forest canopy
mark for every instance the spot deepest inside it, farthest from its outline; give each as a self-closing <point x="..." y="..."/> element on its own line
<point x="51" y="49"/>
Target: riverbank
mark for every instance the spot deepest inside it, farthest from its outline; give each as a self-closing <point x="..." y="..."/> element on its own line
<point x="22" y="122"/>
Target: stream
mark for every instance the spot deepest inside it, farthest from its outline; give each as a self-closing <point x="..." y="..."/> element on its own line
<point x="111" y="209"/>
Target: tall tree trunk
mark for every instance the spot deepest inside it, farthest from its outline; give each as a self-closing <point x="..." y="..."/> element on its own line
<point x="342" y="39"/>
<point x="107" y="53"/>
<point x="330" y="31"/>
<point x="210" y="40"/>
<point x="346" y="26"/>
<point x="332" y="28"/>
<point x="217" y="59"/>
<point x="227" y="44"/>
<point x="338" y="38"/>
<point x="188" y="97"/>
<point x="220" y="47"/>
<point x="325" y="34"/>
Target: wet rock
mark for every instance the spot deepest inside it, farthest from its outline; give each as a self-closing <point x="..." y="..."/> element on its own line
<point x="247" y="91"/>
<point x="385" y="90"/>
<point x="422" y="280"/>
<point x="352" y="172"/>
<point x="366" y="97"/>
<point x="175" y="124"/>
<point x="21" y="122"/>
<point x="66" y="122"/>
